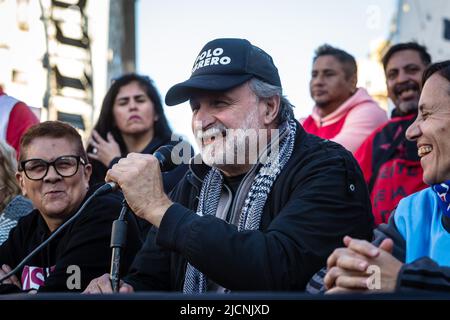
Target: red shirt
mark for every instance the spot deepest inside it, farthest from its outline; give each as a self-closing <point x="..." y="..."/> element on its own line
<point x="325" y="132"/>
<point x="20" y="119"/>
<point x="398" y="176"/>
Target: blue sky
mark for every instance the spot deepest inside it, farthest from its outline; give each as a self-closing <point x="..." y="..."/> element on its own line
<point x="171" y="33"/>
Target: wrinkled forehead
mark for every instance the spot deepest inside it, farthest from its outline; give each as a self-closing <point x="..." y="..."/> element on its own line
<point x="49" y="148"/>
<point x="239" y="91"/>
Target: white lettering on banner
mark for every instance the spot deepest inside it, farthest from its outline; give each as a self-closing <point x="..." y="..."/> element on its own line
<point x="211" y="57"/>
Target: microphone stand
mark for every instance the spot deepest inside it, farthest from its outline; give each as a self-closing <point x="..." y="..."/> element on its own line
<point x="118" y="242"/>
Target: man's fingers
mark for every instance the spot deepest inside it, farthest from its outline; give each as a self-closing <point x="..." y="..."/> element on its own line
<point x="104" y="284"/>
<point x="131" y="166"/>
<point x="352" y="282"/>
<point x="99" y="285"/>
<point x="2" y="274"/>
<point x="387" y="245"/>
<point x="125" y="288"/>
<point x="347" y="240"/>
<point x="4" y="270"/>
<point x="331" y="261"/>
<point x="341" y="252"/>
<point x="13" y="278"/>
<point x="331" y="276"/>
<point x="364" y="247"/>
<point x="340" y="290"/>
<point x="352" y="263"/>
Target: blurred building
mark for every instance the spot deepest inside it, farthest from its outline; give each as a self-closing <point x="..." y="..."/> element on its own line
<point x="423" y="21"/>
<point x="426" y="22"/>
<point x="59" y="56"/>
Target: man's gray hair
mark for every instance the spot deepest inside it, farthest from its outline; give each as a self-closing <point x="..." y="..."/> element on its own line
<point x="264" y="90"/>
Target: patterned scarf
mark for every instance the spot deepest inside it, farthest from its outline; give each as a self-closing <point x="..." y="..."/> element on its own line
<point x="443" y="192"/>
<point x="250" y="217"/>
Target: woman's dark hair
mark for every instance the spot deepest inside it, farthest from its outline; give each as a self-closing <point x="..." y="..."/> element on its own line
<point x="106" y="123"/>
<point x="442" y="68"/>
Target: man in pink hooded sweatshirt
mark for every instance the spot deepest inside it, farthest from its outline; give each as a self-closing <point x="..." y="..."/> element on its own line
<point x="343" y="113"/>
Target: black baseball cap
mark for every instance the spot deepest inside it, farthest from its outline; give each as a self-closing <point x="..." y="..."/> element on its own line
<point x="223" y="64"/>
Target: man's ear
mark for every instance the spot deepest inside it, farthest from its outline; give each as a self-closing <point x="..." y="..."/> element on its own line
<point x="20" y="182"/>
<point x="272" y="107"/>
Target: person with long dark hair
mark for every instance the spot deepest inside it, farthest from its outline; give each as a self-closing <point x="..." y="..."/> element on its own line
<point x="131" y="120"/>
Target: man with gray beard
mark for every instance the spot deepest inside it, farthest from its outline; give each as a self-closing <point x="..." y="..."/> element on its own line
<point x="262" y="220"/>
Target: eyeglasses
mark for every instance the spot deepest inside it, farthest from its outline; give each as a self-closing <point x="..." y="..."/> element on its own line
<point x="65" y="166"/>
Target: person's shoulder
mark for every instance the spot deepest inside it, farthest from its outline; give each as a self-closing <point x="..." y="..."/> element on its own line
<point x="414" y="204"/>
<point x="22" y="201"/>
<point x="417" y="210"/>
<point x="418" y="196"/>
<point x="29" y="224"/>
<point x="18" y="207"/>
<point x="368" y="108"/>
<point x="310" y="145"/>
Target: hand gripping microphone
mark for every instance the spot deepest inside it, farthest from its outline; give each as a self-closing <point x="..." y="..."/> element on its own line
<point x="163" y="154"/>
<point x="119" y="228"/>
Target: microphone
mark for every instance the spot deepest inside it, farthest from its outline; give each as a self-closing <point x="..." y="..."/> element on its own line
<point x="164" y="156"/>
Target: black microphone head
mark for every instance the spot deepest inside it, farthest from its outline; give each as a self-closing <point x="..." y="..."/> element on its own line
<point x="164" y="156"/>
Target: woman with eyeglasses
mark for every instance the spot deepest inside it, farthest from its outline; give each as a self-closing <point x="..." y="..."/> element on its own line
<point x="131" y="120"/>
<point x="13" y="205"/>
<point x="54" y="173"/>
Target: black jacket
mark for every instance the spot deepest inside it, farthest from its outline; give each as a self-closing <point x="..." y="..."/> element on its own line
<point x="84" y="243"/>
<point x="319" y="197"/>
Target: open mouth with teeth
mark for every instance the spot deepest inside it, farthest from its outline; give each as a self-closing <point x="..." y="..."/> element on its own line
<point x="407" y="91"/>
<point x="210" y="138"/>
<point x="407" y="94"/>
<point x="424" y="150"/>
